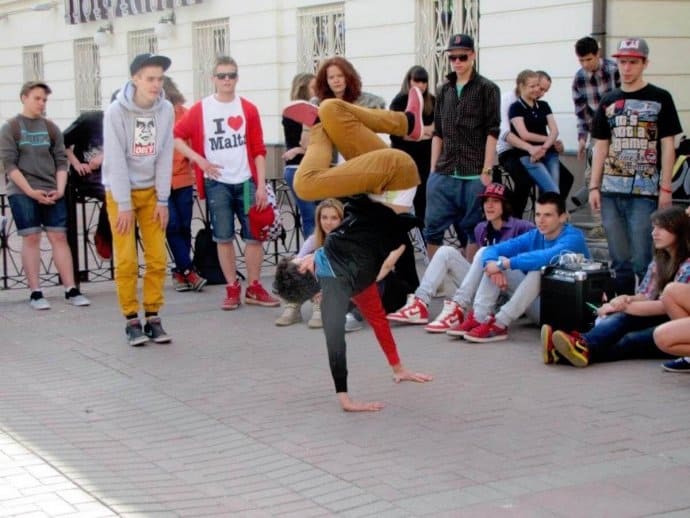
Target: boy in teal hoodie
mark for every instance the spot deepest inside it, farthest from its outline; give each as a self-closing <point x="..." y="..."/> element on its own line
<point x="137" y="171"/>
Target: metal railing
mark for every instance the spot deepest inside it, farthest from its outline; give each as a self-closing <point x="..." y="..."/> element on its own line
<point x="83" y="213"/>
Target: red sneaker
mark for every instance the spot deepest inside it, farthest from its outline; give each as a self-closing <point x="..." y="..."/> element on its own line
<point x="195" y="281"/>
<point x="256" y="294"/>
<point x="302" y="111"/>
<point x="180" y="282"/>
<point x="487" y="332"/>
<point x="572" y="347"/>
<point x="450" y="317"/>
<point x="413" y="312"/>
<point x="465" y="327"/>
<point x="415" y="105"/>
<point x="232" y="297"/>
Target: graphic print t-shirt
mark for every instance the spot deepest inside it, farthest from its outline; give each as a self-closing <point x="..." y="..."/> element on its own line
<point x="225" y="139"/>
<point x="144" y="136"/>
<point x="635" y="123"/>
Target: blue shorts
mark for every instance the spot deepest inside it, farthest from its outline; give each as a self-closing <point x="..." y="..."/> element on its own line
<point x="225" y="202"/>
<point x="31" y="217"/>
<point x="449" y="201"/>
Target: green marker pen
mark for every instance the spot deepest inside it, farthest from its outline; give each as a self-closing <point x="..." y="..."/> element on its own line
<point x="592" y="306"/>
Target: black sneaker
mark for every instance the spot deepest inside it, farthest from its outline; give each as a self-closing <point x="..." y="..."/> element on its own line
<point x="154" y="330"/>
<point x="678" y="365"/>
<point x="135" y="336"/>
<point x="76" y="298"/>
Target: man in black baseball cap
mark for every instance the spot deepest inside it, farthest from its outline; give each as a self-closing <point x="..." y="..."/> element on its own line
<point x="136" y="172"/>
<point x="460" y="41"/>
<point x="148" y="60"/>
<point x="466" y="127"/>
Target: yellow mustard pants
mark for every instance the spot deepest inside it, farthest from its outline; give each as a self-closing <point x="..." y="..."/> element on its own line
<point x="126" y="256"/>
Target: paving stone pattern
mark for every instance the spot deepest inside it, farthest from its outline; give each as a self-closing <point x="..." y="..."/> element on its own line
<point x="238" y="418"/>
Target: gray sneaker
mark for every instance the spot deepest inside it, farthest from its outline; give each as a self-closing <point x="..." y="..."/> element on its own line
<point x="135" y="335"/>
<point x="38" y="301"/>
<point x="74" y="297"/>
<point x="352" y="324"/>
<point x="154" y="330"/>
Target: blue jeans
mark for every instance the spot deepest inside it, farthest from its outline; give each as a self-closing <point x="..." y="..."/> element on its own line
<point x="450" y="200"/>
<point x="31" y="217"/>
<point x="628" y="226"/>
<point x="179" y="230"/>
<point x="545" y="173"/>
<point x="225" y="201"/>
<point x="306" y="208"/>
<point x="622" y="337"/>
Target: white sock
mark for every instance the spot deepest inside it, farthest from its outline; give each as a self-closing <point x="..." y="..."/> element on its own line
<point x="404" y="198"/>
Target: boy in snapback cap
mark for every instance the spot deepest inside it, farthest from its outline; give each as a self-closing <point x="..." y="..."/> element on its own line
<point x="635" y="128"/>
<point x="466" y="128"/>
<point x="137" y="172"/>
<point x="499" y="226"/>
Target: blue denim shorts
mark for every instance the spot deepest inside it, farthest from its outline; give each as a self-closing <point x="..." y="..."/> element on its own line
<point x="31" y="217"/>
<point x="451" y="201"/>
<point x="225" y="202"/>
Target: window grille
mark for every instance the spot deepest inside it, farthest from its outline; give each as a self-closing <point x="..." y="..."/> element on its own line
<point x="437" y="21"/>
<point x="321" y="35"/>
<point x="139" y="42"/>
<point x="211" y="39"/>
<point x="87" y="75"/>
<point x="32" y="58"/>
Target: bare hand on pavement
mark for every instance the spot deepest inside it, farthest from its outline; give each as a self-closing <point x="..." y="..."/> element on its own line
<point x="400" y="373"/>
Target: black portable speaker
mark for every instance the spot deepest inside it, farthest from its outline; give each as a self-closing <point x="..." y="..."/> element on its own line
<point x="566" y="291"/>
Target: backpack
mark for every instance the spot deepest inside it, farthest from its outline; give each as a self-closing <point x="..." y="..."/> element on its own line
<point x="16" y="128"/>
<point x="680" y="183"/>
<point x="205" y="259"/>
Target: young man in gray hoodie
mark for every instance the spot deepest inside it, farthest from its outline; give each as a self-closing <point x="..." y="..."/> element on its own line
<point x="137" y="171"/>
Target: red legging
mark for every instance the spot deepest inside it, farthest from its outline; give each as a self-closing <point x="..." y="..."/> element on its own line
<point x="369" y="303"/>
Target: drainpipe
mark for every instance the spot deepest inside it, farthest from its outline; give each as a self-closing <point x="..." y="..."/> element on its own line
<point x="599" y="24"/>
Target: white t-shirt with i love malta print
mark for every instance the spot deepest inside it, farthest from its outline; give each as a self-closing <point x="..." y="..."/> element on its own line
<point x="225" y="138"/>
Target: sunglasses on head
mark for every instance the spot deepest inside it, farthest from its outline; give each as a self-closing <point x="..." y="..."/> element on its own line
<point x="226" y="75"/>
<point x="459" y="57"/>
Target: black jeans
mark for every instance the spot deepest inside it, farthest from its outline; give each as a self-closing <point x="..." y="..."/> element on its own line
<point x="335" y="302"/>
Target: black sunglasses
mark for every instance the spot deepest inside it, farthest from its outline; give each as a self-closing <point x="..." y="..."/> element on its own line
<point x="226" y="75"/>
<point x="459" y="57"/>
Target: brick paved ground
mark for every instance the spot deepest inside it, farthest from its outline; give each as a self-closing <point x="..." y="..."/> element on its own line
<point x="237" y="417"/>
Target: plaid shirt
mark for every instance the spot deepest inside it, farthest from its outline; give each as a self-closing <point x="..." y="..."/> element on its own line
<point x="464" y="123"/>
<point x="588" y="89"/>
<point x="648" y="286"/>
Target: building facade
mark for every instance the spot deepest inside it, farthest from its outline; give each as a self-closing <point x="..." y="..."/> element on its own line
<point x="82" y="48"/>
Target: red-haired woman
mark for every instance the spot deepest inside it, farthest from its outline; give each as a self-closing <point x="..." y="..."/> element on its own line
<point x="370" y="165"/>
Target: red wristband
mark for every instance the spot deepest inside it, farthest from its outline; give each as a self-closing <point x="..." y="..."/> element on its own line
<point x="665" y="189"/>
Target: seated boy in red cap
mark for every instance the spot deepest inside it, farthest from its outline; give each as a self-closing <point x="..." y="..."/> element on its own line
<point x="499" y="226"/>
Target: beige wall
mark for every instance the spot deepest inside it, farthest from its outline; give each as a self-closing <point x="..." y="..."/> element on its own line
<point x="665" y="24"/>
<point x="380" y="41"/>
<point x="536" y="34"/>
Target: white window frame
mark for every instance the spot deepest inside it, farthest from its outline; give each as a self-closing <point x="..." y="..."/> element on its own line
<point x="437" y="21"/>
<point x="211" y="39"/>
<point x="32" y="61"/>
<point x="321" y="35"/>
<point x="139" y="42"/>
<point x="87" y="75"/>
